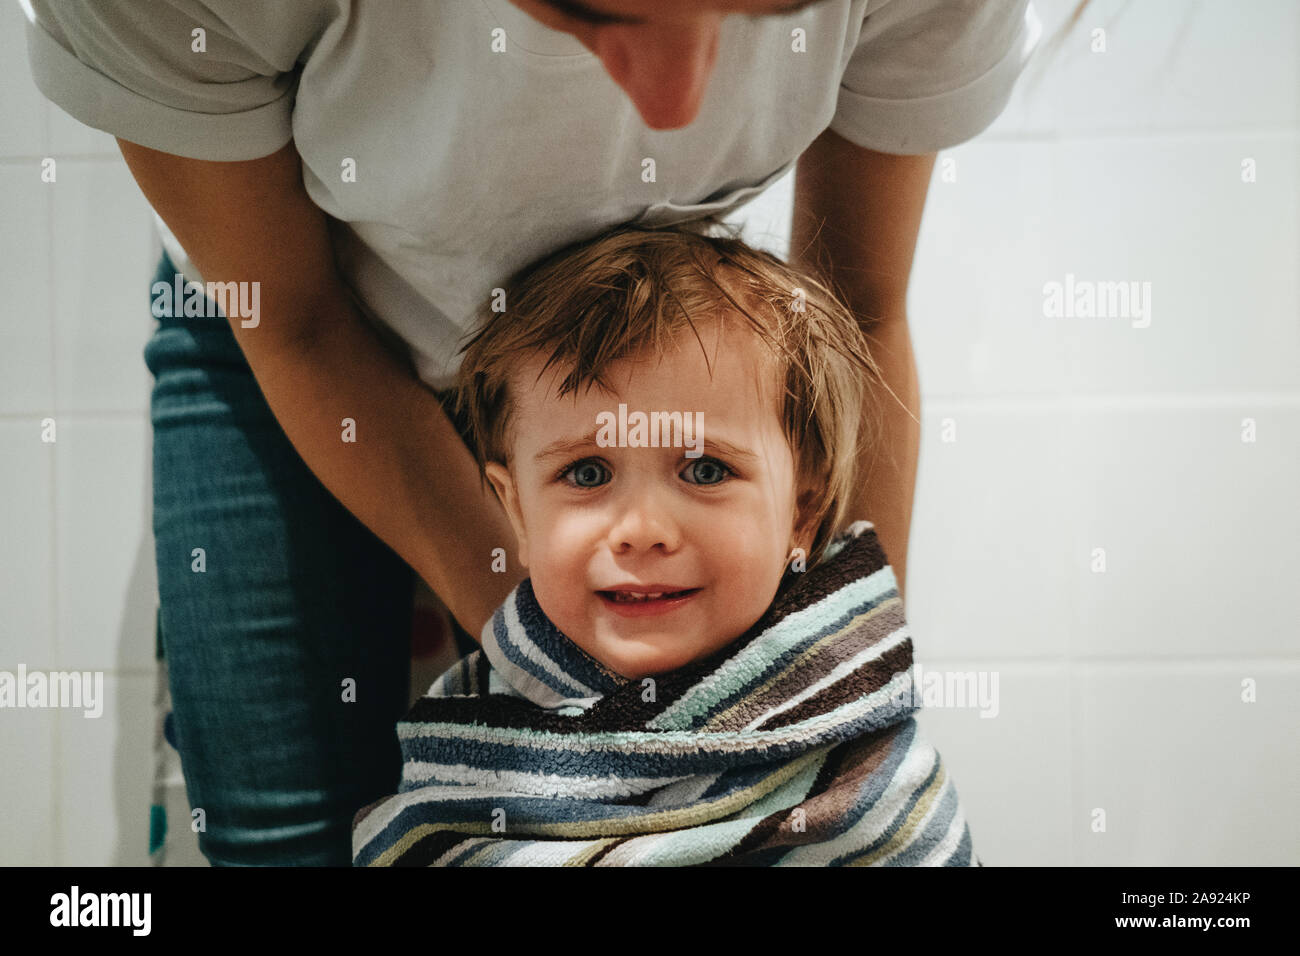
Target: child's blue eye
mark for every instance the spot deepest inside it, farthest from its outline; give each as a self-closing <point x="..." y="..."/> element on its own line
<point x="592" y="473"/>
<point x="586" y="473"/>
<point x="708" y="471"/>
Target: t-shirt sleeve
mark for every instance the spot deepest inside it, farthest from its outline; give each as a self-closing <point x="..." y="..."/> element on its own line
<point x="929" y="74"/>
<point x="205" y="79"/>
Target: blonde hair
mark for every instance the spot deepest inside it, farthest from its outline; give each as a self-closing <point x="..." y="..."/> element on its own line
<point x="634" y="289"/>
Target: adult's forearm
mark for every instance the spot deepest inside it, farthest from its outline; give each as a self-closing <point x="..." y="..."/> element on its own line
<point x="888" y="469"/>
<point x="858" y="212"/>
<point x="407" y="475"/>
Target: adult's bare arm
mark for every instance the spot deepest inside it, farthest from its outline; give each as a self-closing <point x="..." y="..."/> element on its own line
<point x="408" y="476"/>
<point x="857" y="213"/>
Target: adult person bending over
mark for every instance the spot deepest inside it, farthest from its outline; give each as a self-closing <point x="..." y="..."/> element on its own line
<point x="379" y="168"/>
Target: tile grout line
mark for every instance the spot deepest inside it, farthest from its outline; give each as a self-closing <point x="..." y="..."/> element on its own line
<point x="1048" y="137"/>
<point x="20" y="159"/>
<point x="1187" y="399"/>
<point x="1113" y="662"/>
<point x="1175" y="401"/>
<point x="56" y="782"/>
<point x="116" y="416"/>
<point x="1068" y="397"/>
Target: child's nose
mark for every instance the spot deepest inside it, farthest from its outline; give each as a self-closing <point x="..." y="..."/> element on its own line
<point x="644" y="523"/>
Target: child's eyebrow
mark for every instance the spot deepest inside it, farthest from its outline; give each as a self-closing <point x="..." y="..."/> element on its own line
<point x="563" y="446"/>
<point x="566" y="446"/>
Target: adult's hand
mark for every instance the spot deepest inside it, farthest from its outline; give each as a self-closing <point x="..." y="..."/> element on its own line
<point x="408" y="475"/>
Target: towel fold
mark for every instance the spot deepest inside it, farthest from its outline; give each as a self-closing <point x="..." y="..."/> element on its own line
<point x="794" y="745"/>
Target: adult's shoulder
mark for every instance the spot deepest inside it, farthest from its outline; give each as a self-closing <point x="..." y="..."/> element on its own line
<point x="926" y="75"/>
<point x="204" y="79"/>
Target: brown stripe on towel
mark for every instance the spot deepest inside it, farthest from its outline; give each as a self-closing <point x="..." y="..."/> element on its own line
<point x="859" y="683"/>
<point x="826" y="808"/>
<point x="814" y="664"/>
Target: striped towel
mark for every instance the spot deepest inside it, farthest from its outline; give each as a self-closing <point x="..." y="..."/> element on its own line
<point x="795" y="745"/>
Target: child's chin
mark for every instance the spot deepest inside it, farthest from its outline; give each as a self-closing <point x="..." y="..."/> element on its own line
<point x="642" y="655"/>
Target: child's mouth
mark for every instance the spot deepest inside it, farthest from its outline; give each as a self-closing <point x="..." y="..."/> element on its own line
<point x="636" y="603"/>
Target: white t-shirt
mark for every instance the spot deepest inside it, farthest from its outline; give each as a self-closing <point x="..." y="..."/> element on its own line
<point x="481" y="139"/>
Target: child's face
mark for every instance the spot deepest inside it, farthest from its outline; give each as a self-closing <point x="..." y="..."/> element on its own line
<point x="591" y="518"/>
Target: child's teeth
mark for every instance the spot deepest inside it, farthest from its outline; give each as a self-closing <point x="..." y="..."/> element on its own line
<point x="633" y="596"/>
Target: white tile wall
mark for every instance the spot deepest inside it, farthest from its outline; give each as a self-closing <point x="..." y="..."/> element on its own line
<point x="27" y="336"/>
<point x="1168" y="65"/>
<point x="102" y="232"/>
<point x="1118" y="690"/>
<point x="76" y="558"/>
<point x="26" y="128"/>
<point x="30" y="786"/>
<point x="1201" y="531"/>
<point x="1178" y="65"/>
<point x="1186" y="772"/>
<point x="27" y="555"/>
<point x="1220" y="256"/>
<point x="1012" y="769"/>
<point x="985" y="249"/>
<point x="988" y="564"/>
<point x="106" y="571"/>
<point x="106" y="774"/>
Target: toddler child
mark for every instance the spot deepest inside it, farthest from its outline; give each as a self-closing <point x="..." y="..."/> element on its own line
<point x="704" y="666"/>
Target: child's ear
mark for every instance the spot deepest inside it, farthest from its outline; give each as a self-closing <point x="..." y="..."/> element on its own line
<point x="805" y="509"/>
<point x="504" y="483"/>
